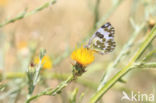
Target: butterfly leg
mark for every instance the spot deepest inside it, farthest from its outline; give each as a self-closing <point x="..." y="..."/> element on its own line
<point x="101" y="52"/>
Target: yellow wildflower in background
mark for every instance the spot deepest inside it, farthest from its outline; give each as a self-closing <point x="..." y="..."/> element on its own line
<point x="23" y="48"/>
<point x="83" y="56"/>
<point x="46" y="62"/>
<point x="22" y="45"/>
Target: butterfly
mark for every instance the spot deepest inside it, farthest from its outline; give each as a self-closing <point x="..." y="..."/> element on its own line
<point x="102" y="41"/>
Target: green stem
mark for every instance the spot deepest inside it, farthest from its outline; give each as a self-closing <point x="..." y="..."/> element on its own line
<point x="25" y="14"/>
<point x="49" y="75"/>
<point x="145" y="65"/>
<point x="96" y="13"/>
<point x="111" y="82"/>
<point x="108" y="14"/>
<point x="52" y="91"/>
<point x="33" y="76"/>
<point x="73" y="96"/>
<point x="149" y="55"/>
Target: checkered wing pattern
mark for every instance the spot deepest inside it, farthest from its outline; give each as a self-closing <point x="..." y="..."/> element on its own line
<point x="102" y="40"/>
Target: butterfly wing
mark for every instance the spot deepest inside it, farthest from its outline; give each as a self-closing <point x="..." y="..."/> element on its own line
<point x="102" y="40"/>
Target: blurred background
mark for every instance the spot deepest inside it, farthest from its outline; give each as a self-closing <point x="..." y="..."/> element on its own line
<point x="62" y="27"/>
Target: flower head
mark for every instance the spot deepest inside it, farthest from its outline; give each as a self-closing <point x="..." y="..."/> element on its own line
<point x="23" y="48"/>
<point x="83" y="56"/>
<point x="46" y="62"/>
<point x="22" y="45"/>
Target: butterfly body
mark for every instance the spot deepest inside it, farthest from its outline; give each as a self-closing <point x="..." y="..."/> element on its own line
<point x="102" y="41"/>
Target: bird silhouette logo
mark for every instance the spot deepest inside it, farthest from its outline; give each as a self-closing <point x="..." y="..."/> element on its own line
<point x="125" y="96"/>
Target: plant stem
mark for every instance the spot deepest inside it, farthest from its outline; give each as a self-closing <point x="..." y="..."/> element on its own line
<point x="105" y="17"/>
<point x="49" y="75"/>
<point x="96" y="13"/>
<point x="33" y="76"/>
<point x="51" y="91"/>
<point x="145" y="65"/>
<point x="111" y="82"/>
<point x="25" y="14"/>
<point x="73" y="96"/>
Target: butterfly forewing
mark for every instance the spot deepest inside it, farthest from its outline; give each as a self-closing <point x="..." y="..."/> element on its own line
<point x="102" y="40"/>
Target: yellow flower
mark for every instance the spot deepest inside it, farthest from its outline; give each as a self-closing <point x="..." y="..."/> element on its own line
<point x="23" y="48"/>
<point x="83" y="56"/>
<point x="22" y="45"/>
<point x="46" y="62"/>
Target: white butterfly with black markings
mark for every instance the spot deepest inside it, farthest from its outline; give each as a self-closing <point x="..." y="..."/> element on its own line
<point x="102" y="41"/>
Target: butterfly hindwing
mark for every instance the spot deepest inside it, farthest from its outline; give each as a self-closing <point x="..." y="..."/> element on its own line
<point x="102" y="40"/>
